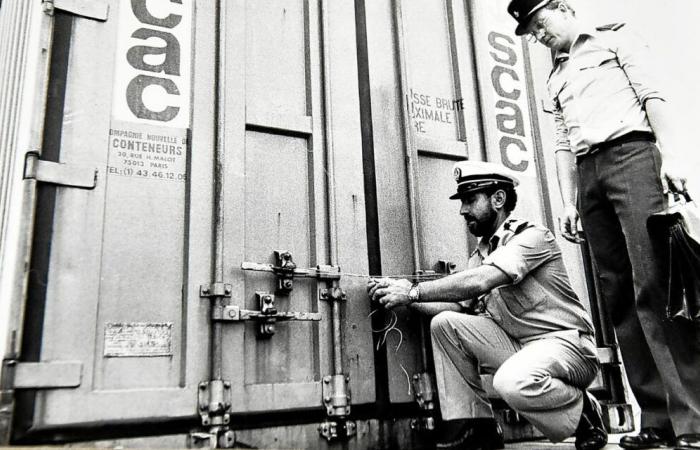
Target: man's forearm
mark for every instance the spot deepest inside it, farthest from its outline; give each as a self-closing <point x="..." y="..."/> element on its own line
<point x="435" y="308"/>
<point x="566" y="174"/>
<point x="660" y="120"/>
<point x="463" y="285"/>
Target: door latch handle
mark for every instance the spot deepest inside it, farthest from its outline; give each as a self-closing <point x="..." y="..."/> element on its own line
<point x="266" y="317"/>
<point x="286" y="270"/>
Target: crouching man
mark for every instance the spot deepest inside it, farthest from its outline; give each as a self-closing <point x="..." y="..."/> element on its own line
<point x="512" y="312"/>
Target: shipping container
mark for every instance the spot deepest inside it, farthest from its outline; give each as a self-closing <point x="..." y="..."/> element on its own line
<point x="195" y="193"/>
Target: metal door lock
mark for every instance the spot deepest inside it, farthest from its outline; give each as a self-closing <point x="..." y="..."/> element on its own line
<point x="266" y="328"/>
<point x="285" y="274"/>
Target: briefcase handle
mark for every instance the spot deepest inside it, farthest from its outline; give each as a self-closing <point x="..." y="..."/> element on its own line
<point x="679" y="197"/>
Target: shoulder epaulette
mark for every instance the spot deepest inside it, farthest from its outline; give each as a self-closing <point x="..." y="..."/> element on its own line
<point x="610" y="27"/>
<point x="516" y="225"/>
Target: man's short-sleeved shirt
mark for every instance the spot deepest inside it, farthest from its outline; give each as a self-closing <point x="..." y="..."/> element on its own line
<point x="539" y="301"/>
<point x="600" y="86"/>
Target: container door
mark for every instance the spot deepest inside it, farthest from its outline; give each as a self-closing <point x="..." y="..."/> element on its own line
<point x="292" y="132"/>
<point x="113" y="298"/>
<point x="452" y="82"/>
<point x="117" y="269"/>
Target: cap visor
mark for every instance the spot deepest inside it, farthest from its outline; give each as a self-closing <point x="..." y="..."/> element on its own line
<point x="520" y="29"/>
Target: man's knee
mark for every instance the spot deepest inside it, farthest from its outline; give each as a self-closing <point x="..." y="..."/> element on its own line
<point x="443" y="322"/>
<point x="519" y="387"/>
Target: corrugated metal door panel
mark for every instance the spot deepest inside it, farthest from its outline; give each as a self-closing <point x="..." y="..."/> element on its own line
<point x="392" y="199"/>
<point x="279" y="190"/>
<point x="443" y="230"/>
<point x="431" y="35"/>
<point x="279" y="208"/>
<point x="343" y="114"/>
<point x="123" y="286"/>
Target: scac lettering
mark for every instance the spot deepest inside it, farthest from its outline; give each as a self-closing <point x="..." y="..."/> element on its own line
<point x="136" y="57"/>
<point x="509" y="121"/>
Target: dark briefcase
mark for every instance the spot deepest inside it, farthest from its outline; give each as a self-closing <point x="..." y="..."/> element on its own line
<point x="679" y="225"/>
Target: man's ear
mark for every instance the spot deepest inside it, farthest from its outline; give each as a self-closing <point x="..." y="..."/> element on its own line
<point x="498" y="199"/>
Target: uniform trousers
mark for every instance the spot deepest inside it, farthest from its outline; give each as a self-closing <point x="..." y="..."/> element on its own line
<point x="619" y="187"/>
<point x="542" y="380"/>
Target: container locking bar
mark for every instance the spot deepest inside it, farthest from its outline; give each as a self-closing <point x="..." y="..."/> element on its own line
<point x="266" y="317"/>
<point x="286" y="270"/>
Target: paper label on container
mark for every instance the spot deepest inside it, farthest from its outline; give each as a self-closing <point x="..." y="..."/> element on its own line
<point x="125" y="339"/>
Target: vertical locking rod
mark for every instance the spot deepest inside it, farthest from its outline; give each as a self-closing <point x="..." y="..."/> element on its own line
<point x="215" y="407"/>
<point x="411" y="156"/>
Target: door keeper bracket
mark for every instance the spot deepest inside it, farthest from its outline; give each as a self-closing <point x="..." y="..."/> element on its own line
<point x="215" y="290"/>
<point x="67" y="175"/>
<point x="45" y="374"/>
<point x="91" y="9"/>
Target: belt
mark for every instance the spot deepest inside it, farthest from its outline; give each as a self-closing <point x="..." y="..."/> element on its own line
<point x="632" y="136"/>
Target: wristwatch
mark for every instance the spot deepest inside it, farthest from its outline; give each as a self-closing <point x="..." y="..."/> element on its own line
<point x="414" y="293"/>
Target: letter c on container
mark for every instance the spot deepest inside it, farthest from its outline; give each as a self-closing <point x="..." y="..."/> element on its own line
<point x="496" y="75"/>
<point x="134" y="98"/>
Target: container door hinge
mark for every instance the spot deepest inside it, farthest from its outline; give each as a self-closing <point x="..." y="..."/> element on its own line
<point x="91" y="9"/>
<point x="60" y="174"/>
<point x="43" y="375"/>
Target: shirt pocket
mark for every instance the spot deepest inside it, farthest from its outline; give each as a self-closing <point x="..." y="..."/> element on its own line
<point x="523" y="298"/>
<point x="595" y="61"/>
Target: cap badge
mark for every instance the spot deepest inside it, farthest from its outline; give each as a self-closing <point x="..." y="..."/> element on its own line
<point x="516" y="14"/>
<point x="457" y="173"/>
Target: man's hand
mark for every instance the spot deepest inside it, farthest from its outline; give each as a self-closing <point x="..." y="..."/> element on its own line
<point x="673" y="175"/>
<point x="389" y="293"/>
<point x="568" y="224"/>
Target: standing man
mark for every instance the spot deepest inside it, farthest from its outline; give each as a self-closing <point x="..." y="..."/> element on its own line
<point x="608" y="113"/>
<point x="531" y="330"/>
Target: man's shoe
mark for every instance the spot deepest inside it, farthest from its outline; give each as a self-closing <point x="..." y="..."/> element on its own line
<point x="470" y="434"/>
<point x="648" y="438"/>
<point x="590" y="433"/>
<point x="688" y="441"/>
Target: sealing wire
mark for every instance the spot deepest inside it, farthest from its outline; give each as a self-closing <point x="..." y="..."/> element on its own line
<point x="388" y="328"/>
